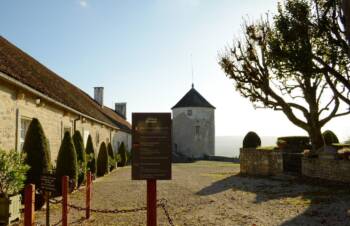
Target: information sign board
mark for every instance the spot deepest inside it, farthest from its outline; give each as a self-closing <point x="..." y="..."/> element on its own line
<point x="48" y="182"/>
<point x="151" y="152"/>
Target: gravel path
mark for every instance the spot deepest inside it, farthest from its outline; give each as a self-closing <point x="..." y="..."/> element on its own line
<point x="213" y="193"/>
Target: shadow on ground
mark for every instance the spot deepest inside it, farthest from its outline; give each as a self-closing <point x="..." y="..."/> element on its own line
<point x="327" y="203"/>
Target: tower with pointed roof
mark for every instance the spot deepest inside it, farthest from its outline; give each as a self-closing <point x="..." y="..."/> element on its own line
<point x="193" y="126"/>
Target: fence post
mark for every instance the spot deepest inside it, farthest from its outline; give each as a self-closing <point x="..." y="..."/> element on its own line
<point x="88" y="194"/>
<point x="65" y="180"/>
<point x="151" y="202"/>
<point x="29" y="204"/>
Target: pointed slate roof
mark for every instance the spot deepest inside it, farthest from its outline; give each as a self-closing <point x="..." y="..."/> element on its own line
<point x="193" y="99"/>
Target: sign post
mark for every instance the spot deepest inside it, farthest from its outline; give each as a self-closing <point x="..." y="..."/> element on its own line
<point x="151" y="137"/>
<point x="47" y="185"/>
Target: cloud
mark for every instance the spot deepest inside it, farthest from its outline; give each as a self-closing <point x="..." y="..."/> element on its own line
<point x="83" y="3"/>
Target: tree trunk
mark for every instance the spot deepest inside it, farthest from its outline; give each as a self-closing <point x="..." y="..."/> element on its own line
<point x="316" y="137"/>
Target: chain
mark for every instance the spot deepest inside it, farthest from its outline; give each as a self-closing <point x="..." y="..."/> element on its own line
<point x="161" y="203"/>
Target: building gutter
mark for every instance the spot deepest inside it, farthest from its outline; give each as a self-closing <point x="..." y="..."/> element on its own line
<point x="49" y="99"/>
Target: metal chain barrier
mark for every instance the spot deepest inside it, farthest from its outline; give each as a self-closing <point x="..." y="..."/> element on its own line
<point x="161" y="203"/>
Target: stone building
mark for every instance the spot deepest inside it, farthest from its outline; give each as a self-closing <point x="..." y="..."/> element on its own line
<point x="193" y="126"/>
<point x="28" y="89"/>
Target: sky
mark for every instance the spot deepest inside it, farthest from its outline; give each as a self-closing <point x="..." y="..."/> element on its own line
<point x="140" y="52"/>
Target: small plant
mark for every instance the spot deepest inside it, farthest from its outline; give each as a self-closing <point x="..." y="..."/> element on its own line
<point x="329" y="137"/>
<point x="12" y="173"/>
<point x="67" y="162"/>
<point x="123" y="155"/>
<point x="79" y="148"/>
<point x="111" y="157"/>
<point x="251" y="140"/>
<point x="90" y="156"/>
<point x="102" y="161"/>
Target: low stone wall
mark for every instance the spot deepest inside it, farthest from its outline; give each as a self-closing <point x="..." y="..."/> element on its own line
<point x="222" y="159"/>
<point x="327" y="169"/>
<point x="260" y="162"/>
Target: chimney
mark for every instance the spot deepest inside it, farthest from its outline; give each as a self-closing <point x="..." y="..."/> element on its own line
<point x="120" y="108"/>
<point x="99" y="95"/>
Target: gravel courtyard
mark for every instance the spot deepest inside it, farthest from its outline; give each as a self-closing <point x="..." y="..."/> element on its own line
<point x="213" y="193"/>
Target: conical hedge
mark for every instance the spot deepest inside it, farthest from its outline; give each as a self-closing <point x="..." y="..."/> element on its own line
<point x="90" y="156"/>
<point x="79" y="148"/>
<point x="37" y="154"/>
<point x="102" y="161"/>
<point x="251" y="140"/>
<point x="329" y="137"/>
<point x="111" y="157"/>
<point x="123" y="155"/>
<point x="67" y="162"/>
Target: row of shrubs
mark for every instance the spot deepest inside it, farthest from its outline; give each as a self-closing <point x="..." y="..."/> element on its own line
<point x="252" y="140"/>
<point x="73" y="159"/>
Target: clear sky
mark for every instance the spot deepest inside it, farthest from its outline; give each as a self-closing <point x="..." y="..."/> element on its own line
<point x="140" y="52"/>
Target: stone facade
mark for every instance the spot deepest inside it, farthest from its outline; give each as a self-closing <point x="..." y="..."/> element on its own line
<point x="327" y="169"/>
<point x="18" y="107"/>
<point x="194" y="131"/>
<point x="260" y="162"/>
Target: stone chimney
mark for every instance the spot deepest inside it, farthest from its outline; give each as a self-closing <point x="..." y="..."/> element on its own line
<point x="120" y="108"/>
<point x="98" y="95"/>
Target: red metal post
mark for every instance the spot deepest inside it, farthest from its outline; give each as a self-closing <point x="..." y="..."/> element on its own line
<point x="88" y="194"/>
<point x="151" y="202"/>
<point x="65" y="180"/>
<point x="29" y="203"/>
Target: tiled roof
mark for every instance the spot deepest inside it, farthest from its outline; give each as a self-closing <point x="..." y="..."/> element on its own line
<point x="193" y="99"/>
<point x="22" y="67"/>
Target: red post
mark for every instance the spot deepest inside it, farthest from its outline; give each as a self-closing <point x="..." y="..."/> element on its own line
<point x="29" y="203"/>
<point x="65" y="180"/>
<point x="88" y="194"/>
<point x="151" y="202"/>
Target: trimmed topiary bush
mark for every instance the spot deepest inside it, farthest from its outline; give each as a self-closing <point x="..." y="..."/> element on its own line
<point x="123" y="155"/>
<point x="251" y="140"/>
<point x="111" y="157"/>
<point x="67" y="163"/>
<point x="102" y="161"/>
<point x="90" y="156"/>
<point x="37" y="157"/>
<point x="329" y="137"/>
<point x="79" y="148"/>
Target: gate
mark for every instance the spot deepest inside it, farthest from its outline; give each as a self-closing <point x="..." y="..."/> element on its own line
<point x="293" y="152"/>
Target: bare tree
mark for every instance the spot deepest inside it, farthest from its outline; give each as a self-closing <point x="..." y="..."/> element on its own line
<point x="279" y="65"/>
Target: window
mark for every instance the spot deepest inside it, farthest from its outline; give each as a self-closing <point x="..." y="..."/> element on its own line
<point x="189" y="112"/>
<point x="197" y="130"/>
<point x="24" y="128"/>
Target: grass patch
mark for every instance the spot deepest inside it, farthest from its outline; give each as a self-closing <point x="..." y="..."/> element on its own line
<point x="207" y="164"/>
<point x="219" y="175"/>
<point x="266" y="148"/>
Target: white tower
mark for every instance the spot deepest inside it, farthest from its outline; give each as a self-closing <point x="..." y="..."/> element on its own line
<point x="193" y="126"/>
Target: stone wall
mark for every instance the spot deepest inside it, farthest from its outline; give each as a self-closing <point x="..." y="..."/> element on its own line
<point x="327" y="169"/>
<point x="260" y="162"/>
<point x="17" y="104"/>
<point x="193" y="131"/>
